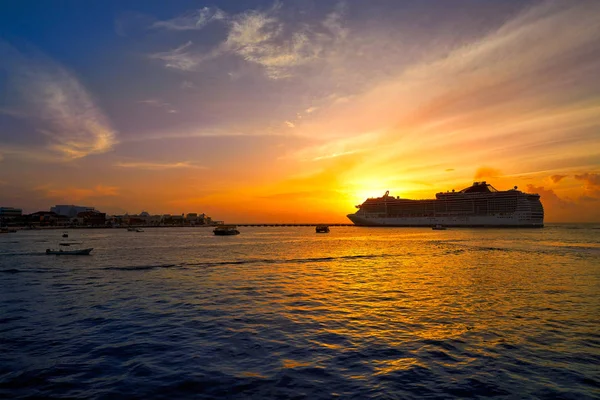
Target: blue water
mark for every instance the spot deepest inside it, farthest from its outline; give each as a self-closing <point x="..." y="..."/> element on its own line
<point x="387" y="313"/>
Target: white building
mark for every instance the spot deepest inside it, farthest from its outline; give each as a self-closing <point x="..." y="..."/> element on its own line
<point x="70" y="210"/>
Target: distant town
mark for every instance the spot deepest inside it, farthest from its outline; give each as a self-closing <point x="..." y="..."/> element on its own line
<point x="81" y="216"/>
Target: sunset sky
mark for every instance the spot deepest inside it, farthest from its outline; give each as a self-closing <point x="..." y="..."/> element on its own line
<point x="295" y="111"/>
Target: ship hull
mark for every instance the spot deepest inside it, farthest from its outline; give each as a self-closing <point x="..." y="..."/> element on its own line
<point x="486" y="221"/>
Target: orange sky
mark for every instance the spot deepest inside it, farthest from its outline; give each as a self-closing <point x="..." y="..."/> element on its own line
<point x="280" y="121"/>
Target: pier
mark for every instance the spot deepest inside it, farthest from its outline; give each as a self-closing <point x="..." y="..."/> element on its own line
<point x="278" y="225"/>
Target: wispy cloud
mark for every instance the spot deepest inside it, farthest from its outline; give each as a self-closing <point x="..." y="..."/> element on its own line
<point x="160" y="104"/>
<point x="193" y="20"/>
<point x="179" y="58"/>
<point x="334" y="155"/>
<point x="258" y="37"/>
<point x="12" y="113"/>
<point x="187" y="85"/>
<point x="159" y="166"/>
<point x="71" y="194"/>
<point x="57" y="104"/>
<point x="290" y="124"/>
<point x="502" y="95"/>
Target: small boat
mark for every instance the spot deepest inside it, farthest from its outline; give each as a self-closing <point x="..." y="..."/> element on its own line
<point x="65" y="235"/>
<point x="439" y="227"/>
<point x="139" y="230"/>
<point x="61" y="252"/>
<point x="226" y="230"/>
<point x="322" y="229"/>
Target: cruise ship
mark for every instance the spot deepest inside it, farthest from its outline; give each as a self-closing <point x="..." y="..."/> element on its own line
<point x="479" y="205"/>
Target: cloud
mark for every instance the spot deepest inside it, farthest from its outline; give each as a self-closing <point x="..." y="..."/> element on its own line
<point x="334" y="155"/>
<point x="311" y="109"/>
<point x="57" y="105"/>
<point x="12" y="113"/>
<point x="187" y="85"/>
<point x="258" y="37"/>
<point x="548" y="197"/>
<point x="160" y="104"/>
<point x="592" y="185"/>
<point x="158" y="166"/>
<point x="179" y="58"/>
<point x="557" y="178"/>
<point x="592" y="180"/>
<point x="72" y="194"/>
<point x="194" y="20"/>
<point x="300" y="195"/>
<point x="506" y="91"/>
<point x="290" y="124"/>
<point x="487" y="172"/>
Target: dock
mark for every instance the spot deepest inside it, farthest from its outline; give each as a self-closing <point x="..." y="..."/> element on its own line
<point x="293" y="225"/>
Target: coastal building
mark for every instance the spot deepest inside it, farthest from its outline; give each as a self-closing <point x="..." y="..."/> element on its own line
<point x="93" y="218"/>
<point x="10" y="212"/>
<point x="205" y="219"/>
<point x="191" y="218"/>
<point x="71" y="210"/>
<point x="195" y="219"/>
<point x="48" y="218"/>
<point x="145" y="218"/>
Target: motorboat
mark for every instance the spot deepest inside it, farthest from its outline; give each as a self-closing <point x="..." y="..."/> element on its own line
<point x="139" y="230"/>
<point x="226" y="230"/>
<point x="61" y="252"/>
<point x="65" y="235"/>
<point x="322" y="229"/>
<point x="72" y="252"/>
<point x="439" y="227"/>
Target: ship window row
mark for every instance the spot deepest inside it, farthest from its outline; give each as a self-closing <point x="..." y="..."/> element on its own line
<point x="444" y="207"/>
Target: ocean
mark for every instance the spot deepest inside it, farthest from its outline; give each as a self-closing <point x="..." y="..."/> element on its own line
<point x="283" y="312"/>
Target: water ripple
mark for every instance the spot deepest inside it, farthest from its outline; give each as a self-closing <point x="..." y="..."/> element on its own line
<point x="282" y="313"/>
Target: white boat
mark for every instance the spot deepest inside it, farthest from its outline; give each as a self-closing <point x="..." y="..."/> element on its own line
<point x="439" y="227"/>
<point x="61" y="252"/>
<point x="72" y="252"/>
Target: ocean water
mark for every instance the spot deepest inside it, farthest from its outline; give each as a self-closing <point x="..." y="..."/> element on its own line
<point x="283" y="312"/>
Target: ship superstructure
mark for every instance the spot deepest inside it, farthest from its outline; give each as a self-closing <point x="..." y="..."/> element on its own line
<point x="479" y="205"/>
